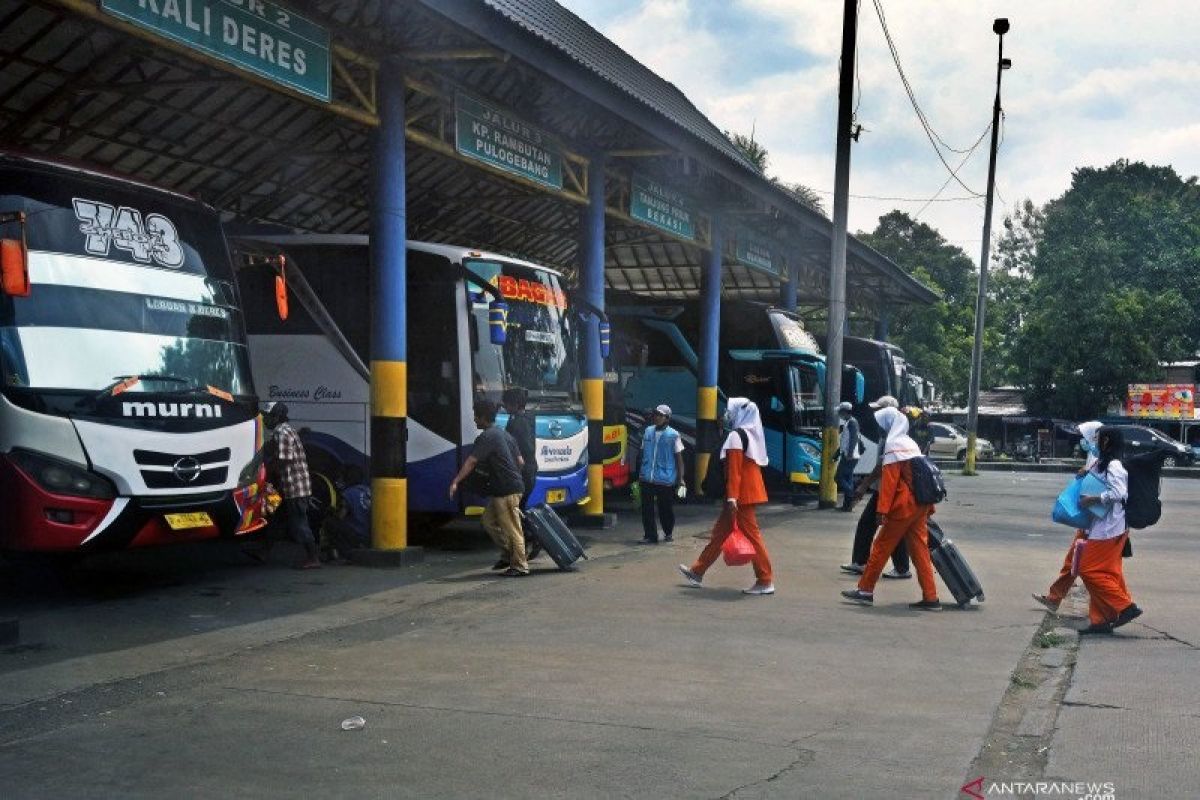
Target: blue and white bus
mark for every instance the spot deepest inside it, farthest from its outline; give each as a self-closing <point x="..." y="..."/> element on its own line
<point x="316" y="360"/>
<point x="766" y="354"/>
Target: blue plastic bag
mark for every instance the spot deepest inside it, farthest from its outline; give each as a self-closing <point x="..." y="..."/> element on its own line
<point x="1067" y="510"/>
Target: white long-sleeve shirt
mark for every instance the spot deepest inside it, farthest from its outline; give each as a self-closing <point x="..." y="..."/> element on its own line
<point x="1112" y="524"/>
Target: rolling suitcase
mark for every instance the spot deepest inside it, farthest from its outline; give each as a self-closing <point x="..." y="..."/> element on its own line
<point x="548" y="530"/>
<point x="950" y="564"/>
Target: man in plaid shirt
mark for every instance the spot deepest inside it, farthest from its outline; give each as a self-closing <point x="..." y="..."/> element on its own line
<point x="287" y="464"/>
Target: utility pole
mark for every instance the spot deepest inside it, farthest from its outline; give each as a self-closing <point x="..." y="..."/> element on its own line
<point x="837" y="256"/>
<point x="999" y="27"/>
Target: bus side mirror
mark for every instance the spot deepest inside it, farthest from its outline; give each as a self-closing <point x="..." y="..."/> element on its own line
<point x="14" y="267"/>
<point x="498" y="322"/>
<point x="605" y="339"/>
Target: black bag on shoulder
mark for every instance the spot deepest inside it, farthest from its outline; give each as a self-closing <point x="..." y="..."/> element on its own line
<point x="713" y="485"/>
<point x="1143" y="508"/>
<point x="928" y="486"/>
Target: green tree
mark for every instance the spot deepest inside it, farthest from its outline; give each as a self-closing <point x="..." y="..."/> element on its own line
<point x="757" y="155"/>
<point x="1115" y="287"/>
<point x="936" y="339"/>
<point x="754" y="152"/>
<point x="1009" y="284"/>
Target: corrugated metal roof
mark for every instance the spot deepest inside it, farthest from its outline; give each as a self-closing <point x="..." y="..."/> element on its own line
<point x="563" y="30"/>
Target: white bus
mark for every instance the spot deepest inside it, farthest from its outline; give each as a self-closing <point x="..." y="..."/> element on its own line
<point x="316" y="360"/>
<point x="127" y="412"/>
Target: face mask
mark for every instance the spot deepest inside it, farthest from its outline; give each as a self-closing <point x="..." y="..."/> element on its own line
<point x="727" y="420"/>
<point x="1092" y="448"/>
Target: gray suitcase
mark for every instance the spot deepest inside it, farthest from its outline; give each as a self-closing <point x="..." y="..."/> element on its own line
<point x="955" y="571"/>
<point x="546" y="527"/>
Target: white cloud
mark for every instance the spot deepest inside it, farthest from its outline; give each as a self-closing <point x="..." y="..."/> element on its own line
<point x="1091" y="82"/>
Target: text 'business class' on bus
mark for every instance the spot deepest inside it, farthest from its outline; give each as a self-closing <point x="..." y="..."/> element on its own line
<point x="316" y="360"/>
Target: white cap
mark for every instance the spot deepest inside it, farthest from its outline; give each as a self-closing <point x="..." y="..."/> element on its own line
<point x="887" y="401"/>
<point x="844" y="406"/>
<point x="663" y="409"/>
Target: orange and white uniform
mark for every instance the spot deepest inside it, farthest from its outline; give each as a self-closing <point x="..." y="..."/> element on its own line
<point x="743" y="483"/>
<point x="904" y="517"/>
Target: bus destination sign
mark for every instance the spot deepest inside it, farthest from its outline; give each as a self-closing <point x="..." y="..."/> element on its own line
<point x="254" y="35"/>
<point x="655" y="204"/>
<point x="502" y="140"/>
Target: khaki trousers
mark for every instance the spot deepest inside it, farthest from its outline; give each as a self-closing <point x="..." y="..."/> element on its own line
<point x="502" y="521"/>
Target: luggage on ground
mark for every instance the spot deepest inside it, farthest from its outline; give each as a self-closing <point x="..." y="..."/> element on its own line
<point x="547" y="528"/>
<point x="950" y="564"/>
<point x="713" y="485"/>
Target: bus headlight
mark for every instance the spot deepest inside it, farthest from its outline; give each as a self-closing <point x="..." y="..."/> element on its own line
<point x="62" y="477"/>
<point x="582" y="461"/>
<point x="811" y="451"/>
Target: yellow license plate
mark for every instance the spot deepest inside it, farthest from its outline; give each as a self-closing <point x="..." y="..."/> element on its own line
<point x="195" y="519"/>
<point x="556" y="495"/>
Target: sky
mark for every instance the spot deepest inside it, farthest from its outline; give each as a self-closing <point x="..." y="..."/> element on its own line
<point x="1091" y="82"/>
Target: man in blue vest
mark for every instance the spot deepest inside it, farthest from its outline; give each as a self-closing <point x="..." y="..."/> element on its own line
<point x="660" y="475"/>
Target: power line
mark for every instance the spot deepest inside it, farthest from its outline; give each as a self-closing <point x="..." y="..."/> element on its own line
<point x="904" y="199"/>
<point x="925" y="125"/>
<point x="961" y="164"/>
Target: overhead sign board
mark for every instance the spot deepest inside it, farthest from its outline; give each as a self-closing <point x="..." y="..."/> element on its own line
<point x="497" y="137"/>
<point x="653" y="203"/>
<point x="1161" y="400"/>
<point x="756" y="252"/>
<point x="254" y="35"/>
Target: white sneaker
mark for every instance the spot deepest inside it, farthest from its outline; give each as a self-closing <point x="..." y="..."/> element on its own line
<point x="692" y="578"/>
<point x="756" y="589"/>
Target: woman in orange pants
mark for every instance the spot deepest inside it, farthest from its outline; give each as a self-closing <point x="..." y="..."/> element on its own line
<point x="1100" y="560"/>
<point x="901" y="516"/>
<point x="1053" y="598"/>
<point x="744" y="489"/>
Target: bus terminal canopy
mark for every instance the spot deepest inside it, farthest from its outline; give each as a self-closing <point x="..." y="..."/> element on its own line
<point x="266" y="111"/>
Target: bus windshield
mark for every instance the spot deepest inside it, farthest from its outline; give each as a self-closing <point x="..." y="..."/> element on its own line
<point x="125" y="282"/>
<point x="539" y="353"/>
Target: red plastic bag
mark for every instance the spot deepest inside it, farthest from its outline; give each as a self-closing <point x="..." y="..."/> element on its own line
<point x="736" y="549"/>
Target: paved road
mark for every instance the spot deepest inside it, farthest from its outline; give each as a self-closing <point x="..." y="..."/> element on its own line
<point x="155" y="675"/>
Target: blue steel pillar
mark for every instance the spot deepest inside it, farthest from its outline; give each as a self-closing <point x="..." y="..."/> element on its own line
<point x="710" y="343"/>
<point x="389" y="342"/>
<point x="789" y="289"/>
<point x="881" y="325"/>
<point x="591" y="279"/>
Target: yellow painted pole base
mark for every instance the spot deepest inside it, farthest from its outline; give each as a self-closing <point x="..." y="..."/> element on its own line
<point x="969" y="461"/>
<point x="594" y="506"/>
<point x="829" y="445"/>
<point x="389" y="513"/>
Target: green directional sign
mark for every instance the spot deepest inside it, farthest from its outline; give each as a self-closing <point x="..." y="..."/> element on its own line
<point x="662" y="207"/>
<point x="755" y="252"/>
<point x="254" y="35"/>
<point x="499" y="138"/>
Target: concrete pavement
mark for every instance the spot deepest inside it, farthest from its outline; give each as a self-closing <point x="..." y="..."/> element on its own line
<point x="613" y="681"/>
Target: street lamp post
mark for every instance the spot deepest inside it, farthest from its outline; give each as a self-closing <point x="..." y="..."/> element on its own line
<point x="999" y="27"/>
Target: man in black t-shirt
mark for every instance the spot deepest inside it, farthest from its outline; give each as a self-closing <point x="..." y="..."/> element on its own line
<point x="497" y="453"/>
<point x="522" y="426"/>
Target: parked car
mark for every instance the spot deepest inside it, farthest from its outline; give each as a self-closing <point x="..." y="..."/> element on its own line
<point x="1140" y="439"/>
<point x="950" y="441"/>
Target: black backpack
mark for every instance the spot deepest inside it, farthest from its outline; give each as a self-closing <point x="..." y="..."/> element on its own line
<point x="1143" y="508"/>
<point x="927" y="483"/>
<point x="713" y="485"/>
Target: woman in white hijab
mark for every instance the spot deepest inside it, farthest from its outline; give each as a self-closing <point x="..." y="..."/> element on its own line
<point x="900" y="515"/>
<point x="1053" y="598"/>
<point x="744" y="489"/>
